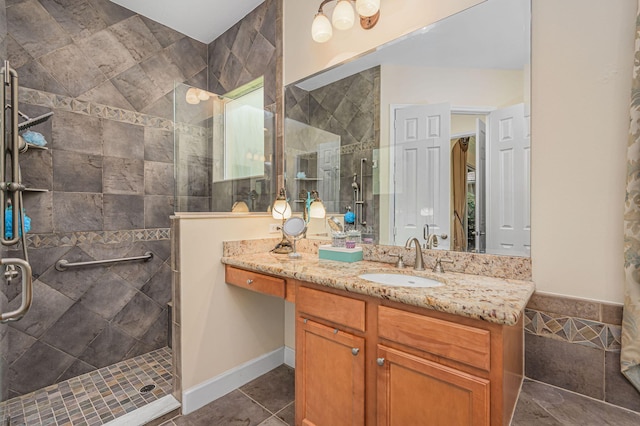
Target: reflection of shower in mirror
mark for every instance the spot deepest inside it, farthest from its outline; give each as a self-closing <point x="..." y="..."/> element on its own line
<point x="358" y="197"/>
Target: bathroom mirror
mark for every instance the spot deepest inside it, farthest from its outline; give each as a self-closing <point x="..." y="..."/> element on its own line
<point x="425" y="135"/>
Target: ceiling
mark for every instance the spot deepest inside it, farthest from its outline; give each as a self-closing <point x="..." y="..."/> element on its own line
<point x="203" y="20"/>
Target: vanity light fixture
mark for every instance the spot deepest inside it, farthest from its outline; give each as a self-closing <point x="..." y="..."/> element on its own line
<point x="343" y="17"/>
<point x="281" y="209"/>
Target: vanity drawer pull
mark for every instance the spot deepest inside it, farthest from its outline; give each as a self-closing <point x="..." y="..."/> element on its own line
<point x="355" y="351"/>
<point x="380" y="361"/>
<point x="249" y="281"/>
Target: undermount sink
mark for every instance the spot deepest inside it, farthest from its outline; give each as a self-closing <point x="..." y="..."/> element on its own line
<point x="400" y="280"/>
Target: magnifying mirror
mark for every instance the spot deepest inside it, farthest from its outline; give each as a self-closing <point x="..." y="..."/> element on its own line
<point x="294" y="227"/>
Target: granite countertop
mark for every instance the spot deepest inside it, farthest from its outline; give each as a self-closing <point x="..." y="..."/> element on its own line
<point x="496" y="300"/>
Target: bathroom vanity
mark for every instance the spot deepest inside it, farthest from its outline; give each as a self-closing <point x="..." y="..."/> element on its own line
<point x="372" y="354"/>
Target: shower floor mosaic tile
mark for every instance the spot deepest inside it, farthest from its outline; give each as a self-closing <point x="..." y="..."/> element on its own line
<point x="97" y="397"/>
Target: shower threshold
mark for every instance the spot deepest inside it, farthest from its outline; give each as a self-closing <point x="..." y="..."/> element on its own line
<point x="101" y="396"/>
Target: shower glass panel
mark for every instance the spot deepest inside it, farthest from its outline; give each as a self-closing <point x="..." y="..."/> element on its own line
<point x="224" y="151"/>
<point x="312" y="162"/>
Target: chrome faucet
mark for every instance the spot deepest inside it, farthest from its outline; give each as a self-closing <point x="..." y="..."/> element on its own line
<point x="419" y="265"/>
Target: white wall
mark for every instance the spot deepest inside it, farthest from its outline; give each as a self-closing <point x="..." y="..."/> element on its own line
<point x="581" y="81"/>
<point x="303" y="56"/>
<point x="222" y="326"/>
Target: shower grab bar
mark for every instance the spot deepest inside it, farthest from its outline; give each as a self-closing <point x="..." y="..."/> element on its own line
<point x="63" y="265"/>
<point x="27" y="290"/>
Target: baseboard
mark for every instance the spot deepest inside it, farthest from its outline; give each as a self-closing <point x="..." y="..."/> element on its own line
<point x="290" y="357"/>
<point x="202" y="394"/>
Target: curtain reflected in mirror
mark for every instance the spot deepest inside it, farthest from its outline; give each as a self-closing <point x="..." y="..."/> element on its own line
<point x="459" y="193"/>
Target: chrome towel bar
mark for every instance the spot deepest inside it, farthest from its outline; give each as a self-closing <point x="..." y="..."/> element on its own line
<point x="63" y="265"/>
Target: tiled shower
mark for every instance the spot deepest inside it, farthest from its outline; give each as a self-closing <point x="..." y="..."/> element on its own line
<point x="107" y="74"/>
<point x="105" y="185"/>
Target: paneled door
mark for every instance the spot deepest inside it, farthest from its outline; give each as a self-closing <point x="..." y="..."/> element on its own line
<point x="508" y="190"/>
<point x="422" y="162"/>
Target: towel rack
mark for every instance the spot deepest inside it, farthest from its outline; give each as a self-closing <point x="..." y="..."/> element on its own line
<point x="63" y="265"/>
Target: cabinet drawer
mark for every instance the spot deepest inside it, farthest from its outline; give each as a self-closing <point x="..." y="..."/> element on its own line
<point x="461" y="343"/>
<point x="334" y="308"/>
<point x="255" y="281"/>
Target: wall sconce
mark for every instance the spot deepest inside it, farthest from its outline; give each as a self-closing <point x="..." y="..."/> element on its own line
<point x="343" y="18"/>
<point x="281" y="209"/>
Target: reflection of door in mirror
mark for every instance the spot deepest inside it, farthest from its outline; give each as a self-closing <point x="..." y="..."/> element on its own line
<point x="508" y="191"/>
<point x="422" y="172"/>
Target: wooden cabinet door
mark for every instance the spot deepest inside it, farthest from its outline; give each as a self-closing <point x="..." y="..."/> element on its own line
<point x="413" y="391"/>
<point x="330" y="378"/>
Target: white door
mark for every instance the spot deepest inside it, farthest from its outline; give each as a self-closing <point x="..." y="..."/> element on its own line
<point x="422" y="158"/>
<point x="329" y="175"/>
<point x="481" y="186"/>
<point x="508" y="191"/>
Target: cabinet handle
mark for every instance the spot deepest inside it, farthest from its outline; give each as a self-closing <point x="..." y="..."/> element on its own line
<point x="355" y="351"/>
<point x="380" y="361"/>
<point x="335" y="331"/>
<point x="249" y="281"/>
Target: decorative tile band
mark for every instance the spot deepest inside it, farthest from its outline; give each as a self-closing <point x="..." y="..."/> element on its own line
<point x="356" y="147"/>
<point x="583" y="332"/>
<point x="65" y="103"/>
<point x="96" y="237"/>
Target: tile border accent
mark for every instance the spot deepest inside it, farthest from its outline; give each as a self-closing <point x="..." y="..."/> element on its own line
<point x="66" y="103"/>
<point x="69" y="239"/>
<point x="594" y="334"/>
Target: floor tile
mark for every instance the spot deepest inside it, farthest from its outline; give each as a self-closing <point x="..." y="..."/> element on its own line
<point x="233" y="409"/>
<point x="288" y="414"/>
<point x="540" y="405"/>
<point x="96" y="397"/>
<point x="273" y="390"/>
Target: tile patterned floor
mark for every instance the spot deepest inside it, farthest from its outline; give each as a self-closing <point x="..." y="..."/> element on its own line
<point x="97" y="397"/>
<point x="269" y="401"/>
<point x="540" y="404"/>
<point x="266" y="401"/>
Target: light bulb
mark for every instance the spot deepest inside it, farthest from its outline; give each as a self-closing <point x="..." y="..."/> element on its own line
<point x="343" y="15"/>
<point x="203" y="95"/>
<point x="192" y="96"/>
<point x="317" y="210"/>
<point x="321" y="29"/>
<point x="281" y="210"/>
<point x="240" y="207"/>
<point x="367" y="8"/>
